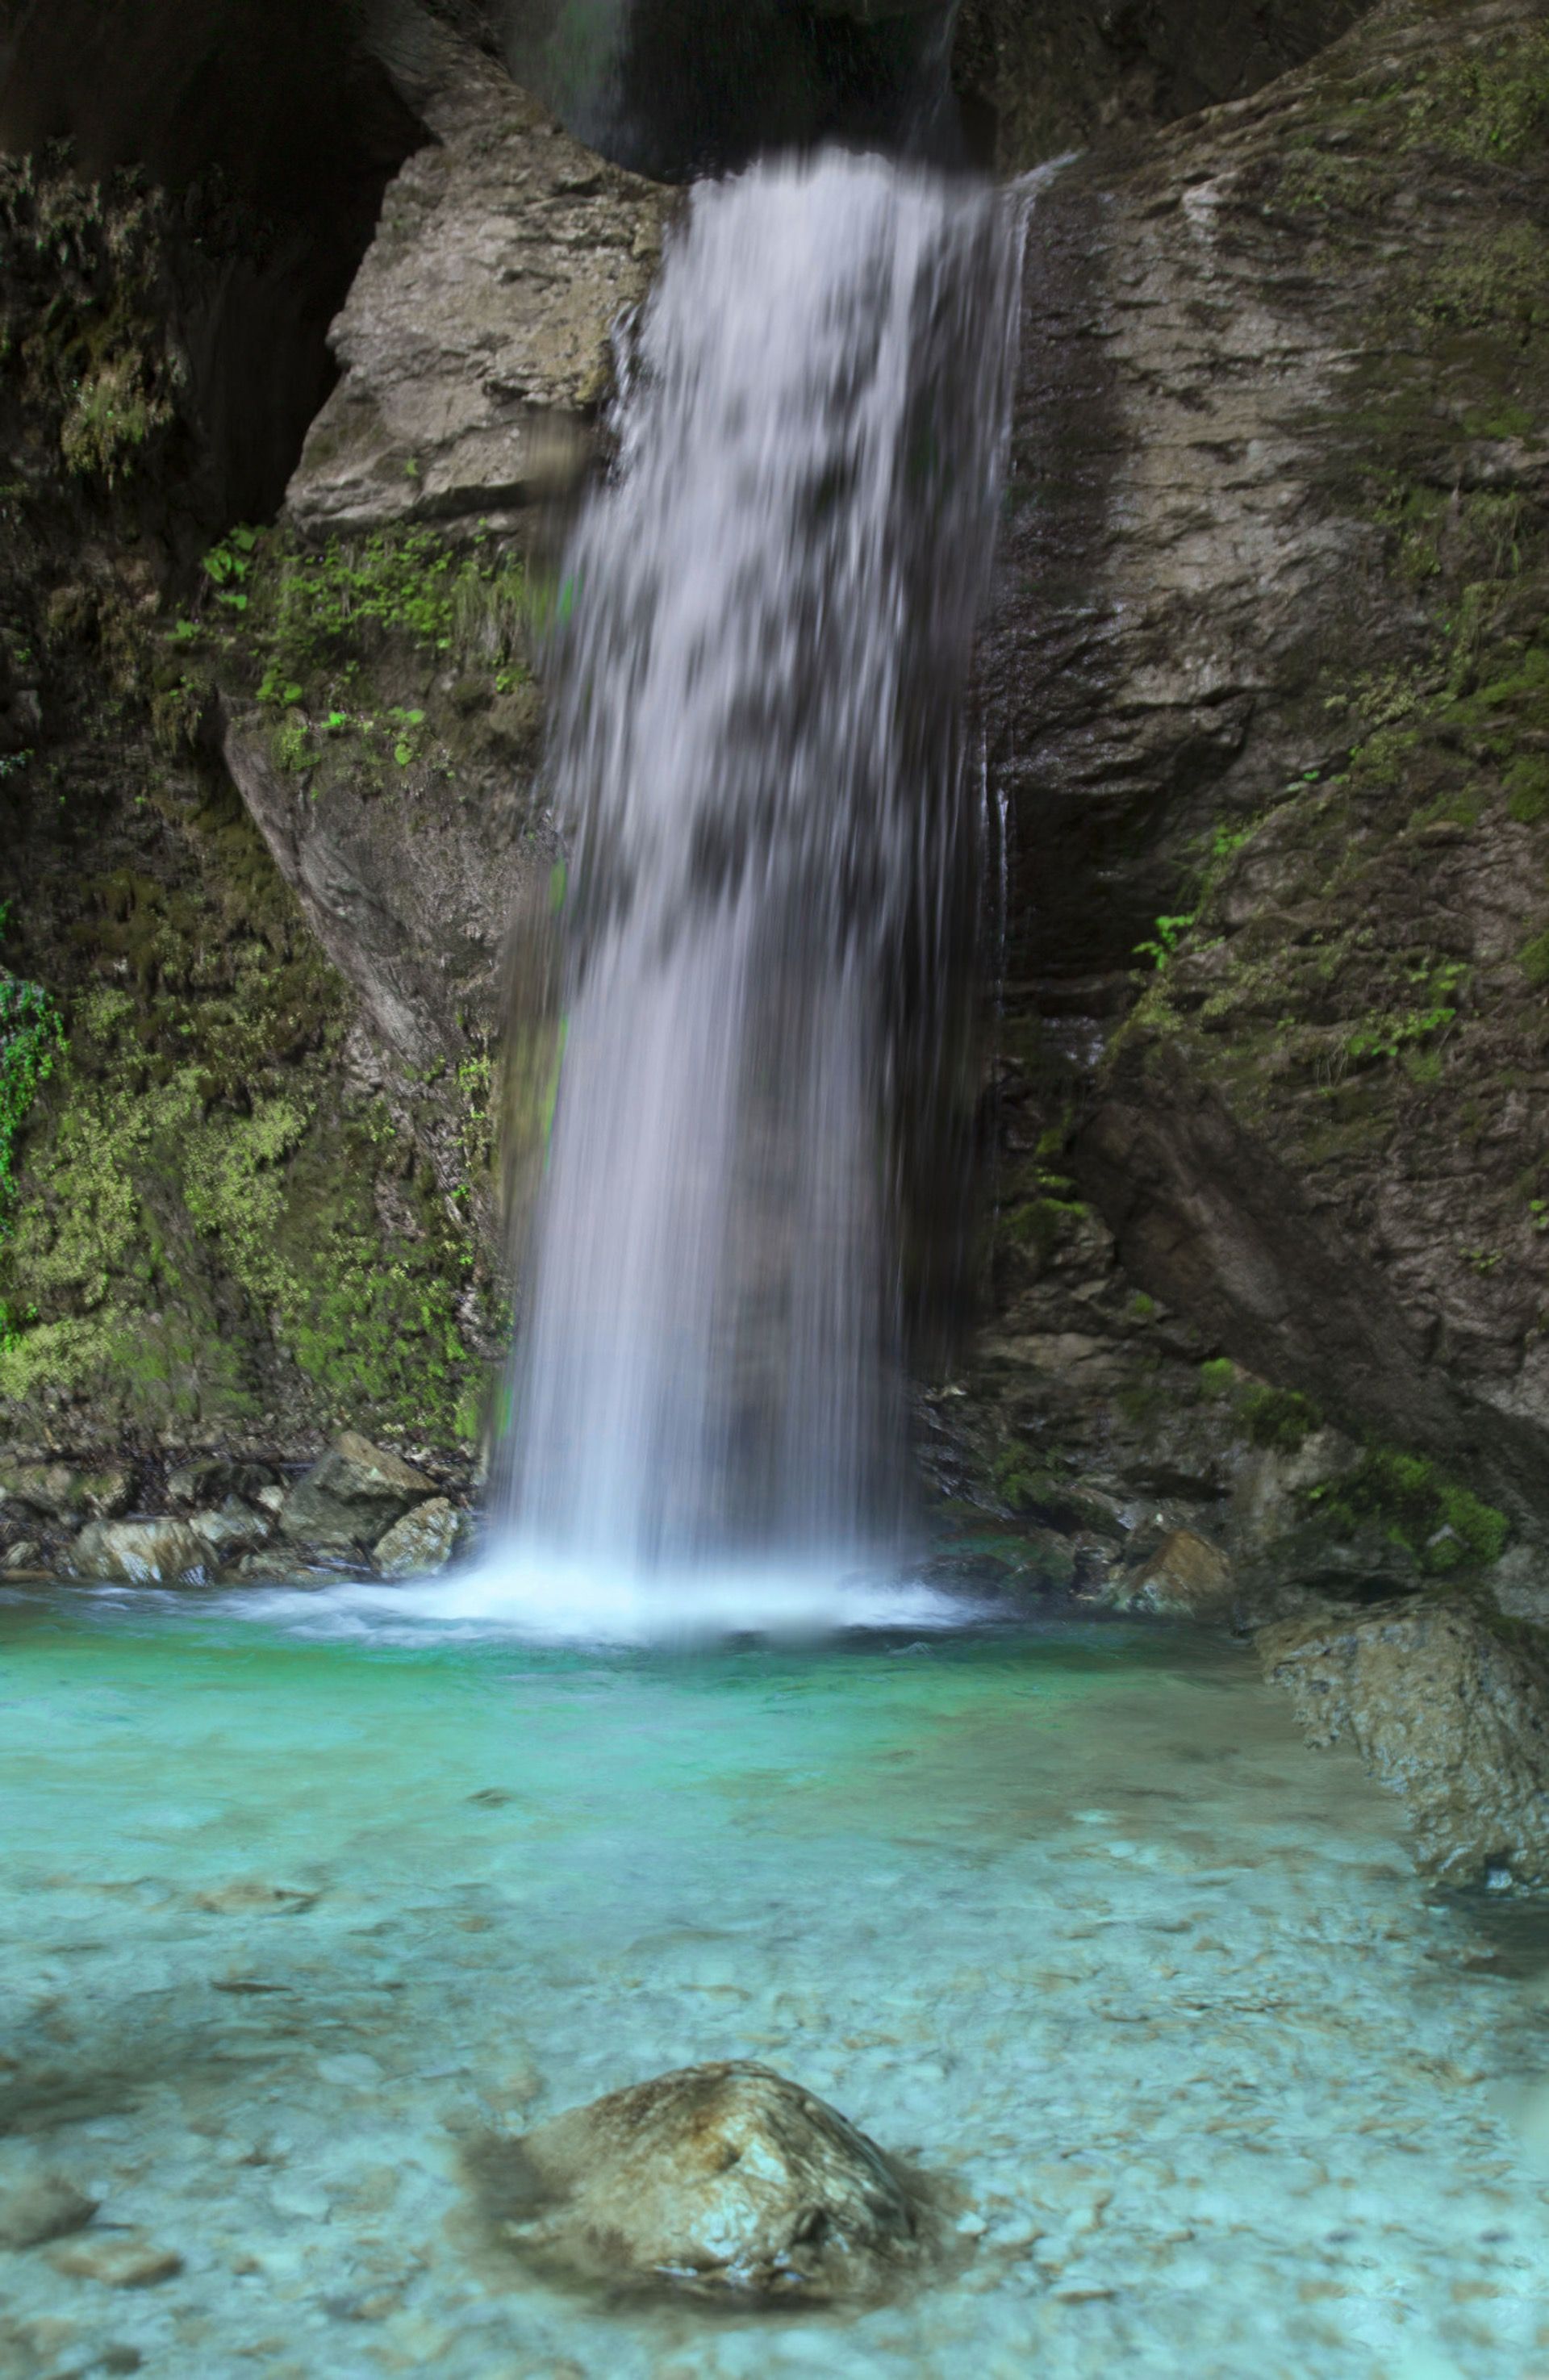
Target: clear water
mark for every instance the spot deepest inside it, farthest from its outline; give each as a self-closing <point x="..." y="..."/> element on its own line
<point x="295" y="1900"/>
<point x="756" y="756"/>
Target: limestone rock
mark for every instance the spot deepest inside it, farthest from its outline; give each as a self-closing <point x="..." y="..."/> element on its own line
<point x="22" y="1555"/>
<point x="475" y="341"/>
<point x="1446" y="1710"/>
<point x="421" y="1543"/>
<point x="45" y="2208"/>
<point x="353" y="1495"/>
<point x="141" y="1553"/>
<point x="1184" y="1577"/>
<point x="721" y="2178"/>
<point x="63" y="1492"/>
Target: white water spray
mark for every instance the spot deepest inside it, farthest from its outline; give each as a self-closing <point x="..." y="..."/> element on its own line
<point x="757" y="763"/>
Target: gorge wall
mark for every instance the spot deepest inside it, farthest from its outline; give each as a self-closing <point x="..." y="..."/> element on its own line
<point x="1263" y="691"/>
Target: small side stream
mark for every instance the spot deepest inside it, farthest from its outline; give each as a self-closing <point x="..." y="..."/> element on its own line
<point x="1067" y="1913"/>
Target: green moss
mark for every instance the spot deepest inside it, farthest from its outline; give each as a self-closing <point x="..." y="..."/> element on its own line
<point x="1491" y="104"/>
<point x="200" y="1227"/>
<point x="84" y="316"/>
<point x="1278" y="1417"/>
<point x="1534" y="959"/>
<point x="30" y="1041"/>
<point x="1444" y="1525"/>
<point x="1218" y="1377"/>
<point x="1527" y="786"/>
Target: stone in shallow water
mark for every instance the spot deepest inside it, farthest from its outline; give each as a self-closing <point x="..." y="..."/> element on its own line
<point x="721" y="2178"/>
<point x="421" y="1543"/>
<point x="121" y="2260"/>
<point x="141" y="1553"/>
<point x="46" y="2208"/>
<point x="353" y="1495"/>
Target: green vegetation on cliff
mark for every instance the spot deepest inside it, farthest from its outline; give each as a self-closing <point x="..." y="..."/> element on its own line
<point x="215" y="1221"/>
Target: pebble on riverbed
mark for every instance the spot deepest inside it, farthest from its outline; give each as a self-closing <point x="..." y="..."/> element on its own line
<point x="43" y="2209"/>
<point x="724" y="2180"/>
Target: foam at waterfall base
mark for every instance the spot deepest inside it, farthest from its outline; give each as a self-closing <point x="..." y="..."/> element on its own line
<point x="516" y="1593"/>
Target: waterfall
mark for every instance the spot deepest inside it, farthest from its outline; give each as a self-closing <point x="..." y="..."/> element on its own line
<point x="756" y="760"/>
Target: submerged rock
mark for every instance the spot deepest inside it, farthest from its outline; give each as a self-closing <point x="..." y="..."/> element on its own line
<point x="1446" y="1710"/>
<point x="143" y="1553"/>
<point x="45" y="2208"/>
<point x="121" y="2260"/>
<point x="353" y="1495"/>
<point x="722" y="2177"/>
<point x="421" y="1543"/>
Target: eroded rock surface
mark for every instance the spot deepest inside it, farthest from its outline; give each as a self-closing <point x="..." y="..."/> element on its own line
<point x="1449" y="1711"/>
<point x="725" y="2179"/>
<point x="1261" y="668"/>
<point x="475" y="341"/>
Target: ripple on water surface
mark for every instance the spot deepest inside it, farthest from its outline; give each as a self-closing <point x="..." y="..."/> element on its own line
<point x="298" y="1899"/>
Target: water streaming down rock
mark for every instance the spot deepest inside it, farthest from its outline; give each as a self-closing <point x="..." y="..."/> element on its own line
<point x="756" y="760"/>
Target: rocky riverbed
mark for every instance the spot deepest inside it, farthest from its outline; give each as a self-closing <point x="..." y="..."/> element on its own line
<point x="306" y="1915"/>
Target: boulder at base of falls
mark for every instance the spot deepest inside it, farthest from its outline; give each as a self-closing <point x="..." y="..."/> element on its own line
<point x="1181" y="1577"/>
<point x="725" y="2179"/>
<point x="212" y="1479"/>
<point x="422" y="1543"/>
<point x="232" y="1531"/>
<point x="60" y="1491"/>
<point x="141" y="1553"/>
<point x="353" y="1497"/>
<point x="1448" y="1708"/>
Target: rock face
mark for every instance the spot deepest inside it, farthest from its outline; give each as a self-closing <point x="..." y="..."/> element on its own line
<point x="723" y="2179"/>
<point x="1059" y="75"/>
<point x="353" y="1495"/>
<point x="59" y="1491"/>
<point x="1261" y="668"/>
<point x="475" y="341"/>
<point x="1447" y="1711"/>
<point x="395" y="786"/>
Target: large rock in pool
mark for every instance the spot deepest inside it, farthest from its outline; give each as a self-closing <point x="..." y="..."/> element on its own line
<point x="1449" y="1707"/>
<point x="143" y="1553"/>
<point x="353" y="1495"/>
<point x="725" y="2179"/>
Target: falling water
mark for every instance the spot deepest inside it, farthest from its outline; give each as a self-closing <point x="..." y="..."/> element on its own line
<point x="773" y="868"/>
